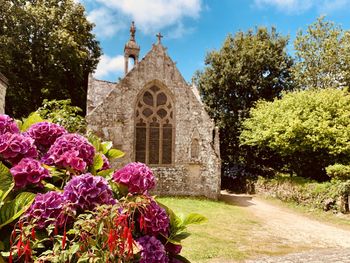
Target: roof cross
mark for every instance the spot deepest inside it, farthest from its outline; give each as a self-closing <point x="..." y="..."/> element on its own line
<point x="159" y="36"/>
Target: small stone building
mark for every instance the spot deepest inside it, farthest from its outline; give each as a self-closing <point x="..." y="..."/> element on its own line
<point x="155" y="117"/>
<point x="3" y="88"/>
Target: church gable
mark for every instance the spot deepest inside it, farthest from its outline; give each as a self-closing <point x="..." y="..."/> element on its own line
<point x="155" y="117"/>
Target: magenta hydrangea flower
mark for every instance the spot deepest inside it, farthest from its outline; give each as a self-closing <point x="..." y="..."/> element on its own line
<point x="85" y="192"/>
<point x="70" y="151"/>
<point x="7" y="124"/>
<point x="45" y="134"/>
<point x="15" y="146"/>
<point x="156" y="220"/>
<point x="152" y="250"/>
<point x="28" y="171"/>
<point x="47" y="209"/>
<point x="136" y="176"/>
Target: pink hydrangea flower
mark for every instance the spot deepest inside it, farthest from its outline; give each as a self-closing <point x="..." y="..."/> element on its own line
<point x="47" y="209"/>
<point x="136" y="176"/>
<point x="28" y="171"/>
<point x="70" y="151"/>
<point x="85" y="192"/>
<point x="14" y="147"/>
<point x="156" y="220"/>
<point x="45" y="134"/>
<point x="7" y="124"/>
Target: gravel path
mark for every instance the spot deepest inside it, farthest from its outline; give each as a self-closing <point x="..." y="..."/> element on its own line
<point x="328" y="243"/>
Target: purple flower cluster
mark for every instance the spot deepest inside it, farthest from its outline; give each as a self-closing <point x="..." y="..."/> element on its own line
<point x="47" y="209"/>
<point x="70" y="151"/>
<point x="15" y="146"/>
<point x="156" y="220"/>
<point x="7" y="124"/>
<point x="28" y="171"/>
<point x="136" y="176"/>
<point x="45" y="133"/>
<point x="85" y="192"/>
<point x="152" y="250"/>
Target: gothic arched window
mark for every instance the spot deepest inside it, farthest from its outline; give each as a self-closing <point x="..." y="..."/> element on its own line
<point x="154" y="131"/>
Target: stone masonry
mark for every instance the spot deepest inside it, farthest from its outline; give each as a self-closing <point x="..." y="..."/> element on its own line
<point x="3" y="88"/>
<point x="194" y="169"/>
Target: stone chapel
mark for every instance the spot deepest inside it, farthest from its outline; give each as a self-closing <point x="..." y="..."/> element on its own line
<point x="155" y="117"/>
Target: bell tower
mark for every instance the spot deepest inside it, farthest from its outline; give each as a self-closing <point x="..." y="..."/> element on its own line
<point x="131" y="49"/>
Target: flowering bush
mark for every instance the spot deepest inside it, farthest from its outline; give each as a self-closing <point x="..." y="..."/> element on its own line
<point x="14" y="147"/>
<point x="70" y="151"/>
<point x="81" y="210"/>
<point x="45" y="134"/>
<point x="7" y="124"/>
<point x="152" y="250"/>
<point x="136" y="176"/>
<point x="28" y="171"/>
<point x="86" y="191"/>
<point x="47" y="209"/>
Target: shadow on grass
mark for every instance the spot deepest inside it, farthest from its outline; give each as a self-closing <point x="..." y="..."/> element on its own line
<point x="236" y="199"/>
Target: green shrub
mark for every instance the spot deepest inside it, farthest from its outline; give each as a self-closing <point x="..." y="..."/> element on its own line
<point x="63" y="113"/>
<point x="301" y="191"/>
<point x="308" y="130"/>
<point x="339" y="171"/>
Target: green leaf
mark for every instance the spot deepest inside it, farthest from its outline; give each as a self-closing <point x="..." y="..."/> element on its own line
<point x="74" y="249"/>
<point x="2" y="247"/>
<point x="105" y="173"/>
<point x="180" y="236"/>
<point x="2" y="259"/>
<point x="15" y="208"/>
<point x="114" y="154"/>
<point x="32" y="119"/>
<point x="98" y="162"/>
<point x="7" y="182"/>
<point x="106" y="146"/>
<point x="194" y="218"/>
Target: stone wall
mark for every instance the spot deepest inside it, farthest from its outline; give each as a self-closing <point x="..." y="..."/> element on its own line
<point x="113" y="119"/>
<point x="3" y="88"/>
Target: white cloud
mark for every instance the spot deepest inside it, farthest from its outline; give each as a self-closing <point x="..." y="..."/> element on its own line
<point x="288" y="6"/>
<point x="153" y="15"/>
<point x="107" y="23"/>
<point x="330" y="6"/>
<point x="109" y="65"/>
<point x="300" y="6"/>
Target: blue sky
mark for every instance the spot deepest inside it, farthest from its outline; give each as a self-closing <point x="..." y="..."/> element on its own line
<point x="192" y="28"/>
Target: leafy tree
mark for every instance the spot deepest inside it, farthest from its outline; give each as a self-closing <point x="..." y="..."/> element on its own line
<point x="322" y="56"/>
<point x="308" y="129"/>
<point x="46" y="51"/>
<point x="248" y="67"/>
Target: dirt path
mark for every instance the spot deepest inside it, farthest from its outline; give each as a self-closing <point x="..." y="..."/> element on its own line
<point x="285" y="229"/>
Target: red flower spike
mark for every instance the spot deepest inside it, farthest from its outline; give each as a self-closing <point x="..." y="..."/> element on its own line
<point x="55" y="230"/>
<point x="64" y="239"/>
<point x="10" y="257"/>
<point x="27" y="251"/>
<point x="130" y="242"/>
<point x="33" y="234"/>
<point x="19" y="246"/>
<point x="142" y="222"/>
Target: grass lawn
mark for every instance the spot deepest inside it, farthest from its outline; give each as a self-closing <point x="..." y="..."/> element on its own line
<point x="233" y="233"/>
<point x="225" y="236"/>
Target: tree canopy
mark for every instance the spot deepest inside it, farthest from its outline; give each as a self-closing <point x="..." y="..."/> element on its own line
<point x="322" y="56"/>
<point x="248" y="67"/>
<point x="308" y="129"/>
<point x="46" y="51"/>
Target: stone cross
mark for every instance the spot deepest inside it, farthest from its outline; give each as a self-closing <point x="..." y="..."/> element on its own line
<point x="159" y="36"/>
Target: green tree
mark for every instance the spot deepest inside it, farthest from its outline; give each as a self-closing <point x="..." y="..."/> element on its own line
<point x="322" y="56"/>
<point x="308" y="130"/>
<point x="46" y="51"/>
<point x="248" y="67"/>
